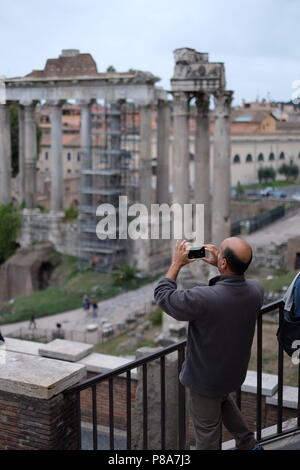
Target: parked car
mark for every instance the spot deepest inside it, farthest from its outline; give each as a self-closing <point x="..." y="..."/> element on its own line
<point x="272" y="192"/>
<point x="296" y="197"/>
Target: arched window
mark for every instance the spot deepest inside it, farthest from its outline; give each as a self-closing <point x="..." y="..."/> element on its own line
<point x="272" y="156"/>
<point x="236" y="159"/>
<point x="46" y="155"/>
<point x="249" y="158"/>
<point x="281" y="156"/>
<point x="260" y="157"/>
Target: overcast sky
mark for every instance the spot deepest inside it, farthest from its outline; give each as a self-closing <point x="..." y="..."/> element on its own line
<point x="258" y="40"/>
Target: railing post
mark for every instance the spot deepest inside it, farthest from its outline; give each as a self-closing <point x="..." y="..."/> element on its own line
<point x="280" y="378"/>
<point x="259" y="376"/>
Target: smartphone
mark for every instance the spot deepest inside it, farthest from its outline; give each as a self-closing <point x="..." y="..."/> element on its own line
<point x="196" y="253"/>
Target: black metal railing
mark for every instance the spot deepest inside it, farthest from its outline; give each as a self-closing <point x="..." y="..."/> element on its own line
<point x="93" y="382"/>
<point x="259" y="221"/>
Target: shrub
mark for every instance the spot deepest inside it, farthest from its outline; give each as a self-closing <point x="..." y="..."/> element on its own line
<point x="10" y="222"/>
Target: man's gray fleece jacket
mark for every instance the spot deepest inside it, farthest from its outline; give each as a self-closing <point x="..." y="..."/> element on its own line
<point x="221" y="327"/>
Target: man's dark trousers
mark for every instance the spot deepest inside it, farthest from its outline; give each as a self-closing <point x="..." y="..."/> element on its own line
<point x="208" y="413"/>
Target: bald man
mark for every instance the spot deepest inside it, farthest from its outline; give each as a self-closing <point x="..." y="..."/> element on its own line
<point x="222" y="317"/>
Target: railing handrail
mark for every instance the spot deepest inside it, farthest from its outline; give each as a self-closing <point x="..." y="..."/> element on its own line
<point x="150" y="357"/>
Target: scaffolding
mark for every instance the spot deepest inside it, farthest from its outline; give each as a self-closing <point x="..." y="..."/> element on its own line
<point x="110" y="171"/>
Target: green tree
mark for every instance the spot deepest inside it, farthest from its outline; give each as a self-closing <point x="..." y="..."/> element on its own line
<point x="111" y="68"/>
<point x="290" y="171"/>
<point x="266" y="174"/>
<point x="10" y="223"/>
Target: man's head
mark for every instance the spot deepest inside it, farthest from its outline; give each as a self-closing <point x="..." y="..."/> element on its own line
<point x="234" y="256"/>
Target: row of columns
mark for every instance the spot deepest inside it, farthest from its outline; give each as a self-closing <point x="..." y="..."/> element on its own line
<point x="28" y="152"/>
<point x="217" y="208"/>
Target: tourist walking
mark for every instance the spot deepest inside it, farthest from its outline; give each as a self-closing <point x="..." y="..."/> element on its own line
<point x="32" y="322"/>
<point x="86" y="303"/>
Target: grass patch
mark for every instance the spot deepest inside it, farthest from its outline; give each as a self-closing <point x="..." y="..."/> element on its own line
<point x="68" y="285"/>
<point x="156" y="317"/>
<point x="111" y="346"/>
<point x="273" y="183"/>
<point x="278" y="282"/>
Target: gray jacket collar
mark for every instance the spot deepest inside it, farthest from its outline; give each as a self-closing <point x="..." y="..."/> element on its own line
<point x="228" y="278"/>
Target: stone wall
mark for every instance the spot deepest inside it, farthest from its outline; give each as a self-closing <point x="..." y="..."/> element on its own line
<point x="28" y="270"/>
<point x="28" y="423"/>
<point x="292" y="250"/>
<point x="241" y="210"/>
<point x="271" y="256"/>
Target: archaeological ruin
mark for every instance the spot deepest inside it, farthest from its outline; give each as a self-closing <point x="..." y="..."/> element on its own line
<point x="122" y="162"/>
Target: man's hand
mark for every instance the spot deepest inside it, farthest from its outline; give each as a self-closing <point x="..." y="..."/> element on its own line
<point x="213" y="259"/>
<point x="180" y="258"/>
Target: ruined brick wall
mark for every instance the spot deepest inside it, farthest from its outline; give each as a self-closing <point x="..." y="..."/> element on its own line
<point x="30" y="423"/>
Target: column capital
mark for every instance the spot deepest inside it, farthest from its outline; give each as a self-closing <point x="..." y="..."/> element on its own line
<point x="85" y="102"/>
<point x="28" y="103"/>
<point x="180" y="103"/>
<point x="222" y="99"/>
<point x="55" y="102"/>
<point x="202" y="104"/>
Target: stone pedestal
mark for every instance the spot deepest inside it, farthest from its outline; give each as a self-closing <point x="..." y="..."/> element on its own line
<point x="35" y="413"/>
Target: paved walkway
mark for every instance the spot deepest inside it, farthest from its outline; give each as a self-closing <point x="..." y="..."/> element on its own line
<point x="115" y="309"/>
<point x="278" y="232"/>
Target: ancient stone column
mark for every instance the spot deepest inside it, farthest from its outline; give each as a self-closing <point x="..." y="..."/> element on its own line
<point x="145" y="156"/>
<point x="5" y="155"/>
<point x="115" y="129"/>
<point x="163" y="140"/>
<point x="221" y="168"/>
<point x="21" y="153"/>
<point x="181" y="189"/>
<point x="57" y="182"/>
<point x="202" y="164"/>
<point x="86" y="150"/>
<point x="30" y="151"/>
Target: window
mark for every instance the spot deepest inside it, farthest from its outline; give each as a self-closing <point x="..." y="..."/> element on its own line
<point x="68" y="170"/>
<point x="46" y="155"/>
<point x="297" y="262"/>
<point x="236" y="159"/>
<point x="271" y="156"/>
<point x="69" y="157"/>
<point x="260" y="157"/>
<point x="78" y="156"/>
<point x="299" y="155"/>
<point x="249" y="158"/>
<point x="281" y="156"/>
